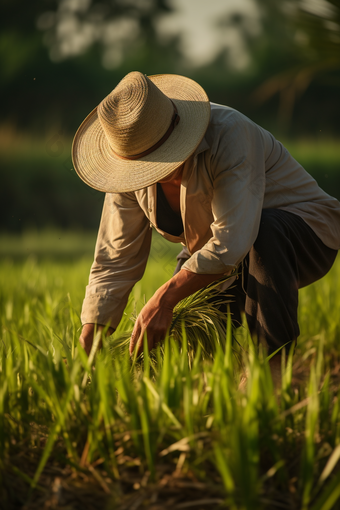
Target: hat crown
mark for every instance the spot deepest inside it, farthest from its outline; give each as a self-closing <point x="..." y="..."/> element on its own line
<point x="135" y="115"/>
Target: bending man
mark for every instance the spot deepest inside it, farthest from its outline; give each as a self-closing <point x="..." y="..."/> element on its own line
<point x="206" y="176"/>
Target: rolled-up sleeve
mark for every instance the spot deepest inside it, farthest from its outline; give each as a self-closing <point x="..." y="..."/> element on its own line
<point x="121" y="254"/>
<point x="237" y="169"/>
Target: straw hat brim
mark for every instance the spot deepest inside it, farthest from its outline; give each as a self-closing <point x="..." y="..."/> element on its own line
<point x="98" y="166"/>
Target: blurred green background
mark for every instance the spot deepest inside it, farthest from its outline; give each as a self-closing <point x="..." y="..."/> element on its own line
<point x="277" y="62"/>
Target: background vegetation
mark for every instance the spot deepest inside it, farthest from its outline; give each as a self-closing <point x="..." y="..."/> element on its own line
<point x="170" y="433"/>
<point x="277" y="62"/>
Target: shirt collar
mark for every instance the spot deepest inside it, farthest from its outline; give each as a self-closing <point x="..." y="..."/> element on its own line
<point x="203" y="146"/>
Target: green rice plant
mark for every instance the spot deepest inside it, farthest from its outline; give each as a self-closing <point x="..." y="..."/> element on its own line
<point x="173" y="421"/>
<point x="198" y="319"/>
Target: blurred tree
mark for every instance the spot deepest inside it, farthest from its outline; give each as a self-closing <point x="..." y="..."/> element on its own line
<point x="119" y="27"/>
<point x="19" y="41"/>
<point x="61" y="57"/>
<point x="292" y="80"/>
<point x="313" y="38"/>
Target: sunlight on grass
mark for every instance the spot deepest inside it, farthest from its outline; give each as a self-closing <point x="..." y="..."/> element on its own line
<point x="172" y="422"/>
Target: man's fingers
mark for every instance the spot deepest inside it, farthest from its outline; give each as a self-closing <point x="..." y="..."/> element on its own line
<point x="133" y="339"/>
<point x="153" y="338"/>
<point x="155" y="327"/>
<point x="136" y="340"/>
<point x="138" y="343"/>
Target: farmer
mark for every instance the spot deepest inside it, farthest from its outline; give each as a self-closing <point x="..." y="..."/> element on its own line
<point x="206" y="176"/>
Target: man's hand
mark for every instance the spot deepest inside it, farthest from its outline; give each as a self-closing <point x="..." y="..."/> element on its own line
<point x="87" y="334"/>
<point x="156" y="316"/>
<point x="154" y="320"/>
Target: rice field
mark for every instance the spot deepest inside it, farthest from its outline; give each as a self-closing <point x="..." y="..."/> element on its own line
<point x="169" y="431"/>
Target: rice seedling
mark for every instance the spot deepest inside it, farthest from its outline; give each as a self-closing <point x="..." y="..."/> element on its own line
<point x="170" y="430"/>
<point x="201" y="317"/>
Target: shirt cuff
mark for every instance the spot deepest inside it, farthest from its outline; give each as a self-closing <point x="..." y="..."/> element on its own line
<point x="206" y="262"/>
<point x="103" y="309"/>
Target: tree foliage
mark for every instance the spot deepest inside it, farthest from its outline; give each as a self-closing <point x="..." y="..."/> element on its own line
<point x="61" y="57"/>
<point x="309" y="34"/>
<point x="53" y="55"/>
<point x="118" y="27"/>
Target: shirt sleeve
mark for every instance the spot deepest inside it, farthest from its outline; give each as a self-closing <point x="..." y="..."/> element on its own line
<point x="121" y="254"/>
<point x="236" y="163"/>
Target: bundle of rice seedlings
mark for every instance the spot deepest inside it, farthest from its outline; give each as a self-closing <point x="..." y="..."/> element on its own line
<point x="202" y="317"/>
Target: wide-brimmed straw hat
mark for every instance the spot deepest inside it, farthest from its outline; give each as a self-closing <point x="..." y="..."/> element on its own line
<point x="141" y="132"/>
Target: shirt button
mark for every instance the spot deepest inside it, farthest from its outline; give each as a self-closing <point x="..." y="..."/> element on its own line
<point x="150" y="210"/>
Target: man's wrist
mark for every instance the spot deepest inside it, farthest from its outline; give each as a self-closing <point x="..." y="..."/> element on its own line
<point x="91" y="326"/>
<point x="182" y="285"/>
<point x="165" y="296"/>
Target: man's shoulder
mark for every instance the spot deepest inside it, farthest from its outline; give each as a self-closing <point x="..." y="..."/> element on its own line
<point x="226" y="122"/>
<point x="226" y="116"/>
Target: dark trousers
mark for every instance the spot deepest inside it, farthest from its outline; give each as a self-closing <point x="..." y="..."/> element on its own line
<point x="286" y="256"/>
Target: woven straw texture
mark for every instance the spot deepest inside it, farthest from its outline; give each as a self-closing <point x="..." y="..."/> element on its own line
<point x="130" y="120"/>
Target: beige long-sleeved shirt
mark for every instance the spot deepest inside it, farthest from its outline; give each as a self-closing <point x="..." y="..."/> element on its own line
<point x="238" y="169"/>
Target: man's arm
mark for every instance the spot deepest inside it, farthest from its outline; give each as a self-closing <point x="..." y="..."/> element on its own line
<point x="156" y="316"/>
<point x="121" y="254"/>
